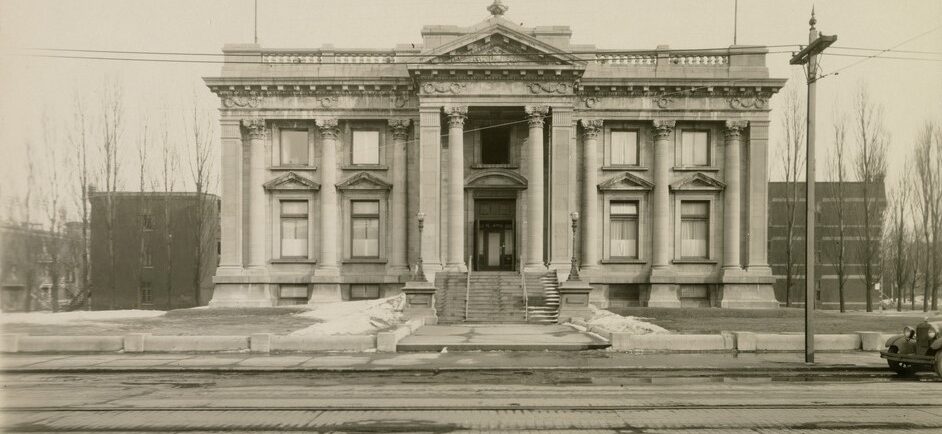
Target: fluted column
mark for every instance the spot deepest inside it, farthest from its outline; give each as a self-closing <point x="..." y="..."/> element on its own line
<point x="257" y="206"/>
<point x="732" y="197"/>
<point x="327" y="262"/>
<point x="231" y="229"/>
<point x="456" y="116"/>
<point x="400" y="219"/>
<point x="535" y="206"/>
<point x="663" y="131"/>
<point x="591" y="128"/>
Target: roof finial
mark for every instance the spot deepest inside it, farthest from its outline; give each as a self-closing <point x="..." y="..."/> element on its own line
<point x="812" y="21"/>
<point x="497" y="8"/>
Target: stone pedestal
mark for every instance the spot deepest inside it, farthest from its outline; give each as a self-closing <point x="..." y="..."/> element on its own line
<point x="420" y="301"/>
<point x="663" y="291"/>
<point x="234" y="293"/>
<point x="574" y="300"/>
<point x="742" y="291"/>
<point x="325" y="292"/>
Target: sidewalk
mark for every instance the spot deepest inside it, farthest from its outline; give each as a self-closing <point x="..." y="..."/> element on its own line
<point x="463" y="361"/>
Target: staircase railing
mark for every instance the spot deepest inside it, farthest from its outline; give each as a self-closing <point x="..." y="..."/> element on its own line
<point x="526" y="297"/>
<point x="467" y="291"/>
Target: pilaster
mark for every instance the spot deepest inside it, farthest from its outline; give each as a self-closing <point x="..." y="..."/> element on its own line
<point x="258" y="206"/>
<point x="732" y="223"/>
<point x="758" y="199"/>
<point x="430" y="186"/>
<point x="562" y="138"/>
<point x="230" y="258"/>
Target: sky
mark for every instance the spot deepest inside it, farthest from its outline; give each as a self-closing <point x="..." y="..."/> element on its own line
<point x="164" y="94"/>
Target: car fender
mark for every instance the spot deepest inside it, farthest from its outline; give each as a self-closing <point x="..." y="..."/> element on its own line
<point x="937" y="344"/>
<point x="892" y="340"/>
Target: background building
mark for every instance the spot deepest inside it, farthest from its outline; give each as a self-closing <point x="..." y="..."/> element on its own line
<point x="31" y="259"/>
<point x="153" y="250"/>
<point x="496" y="133"/>
<point x="827" y="237"/>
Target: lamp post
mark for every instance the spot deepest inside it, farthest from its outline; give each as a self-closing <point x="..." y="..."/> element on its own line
<point x="420" y="273"/>
<point x="574" y="269"/>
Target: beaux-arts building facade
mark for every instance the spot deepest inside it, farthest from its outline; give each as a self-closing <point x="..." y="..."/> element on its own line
<point x="496" y="133"/>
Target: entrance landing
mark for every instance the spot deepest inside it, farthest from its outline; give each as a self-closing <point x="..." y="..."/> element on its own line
<point x="509" y="337"/>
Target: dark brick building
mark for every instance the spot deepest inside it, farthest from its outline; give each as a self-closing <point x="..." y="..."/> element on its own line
<point x="827" y="242"/>
<point x="31" y="258"/>
<point x="159" y="246"/>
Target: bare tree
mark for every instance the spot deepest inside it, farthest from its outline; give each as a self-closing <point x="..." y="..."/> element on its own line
<point x="927" y="191"/>
<point x="55" y="213"/>
<point x="201" y="173"/>
<point x="145" y="222"/>
<point x="112" y="129"/>
<point x="169" y="165"/>
<point x="30" y="249"/>
<point x="898" y="239"/>
<point x="838" y="175"/>
<point x="793" y="163"/>
<point x="79" y="139"/>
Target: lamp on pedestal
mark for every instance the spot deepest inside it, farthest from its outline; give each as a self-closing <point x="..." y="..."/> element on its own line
<point x="420" y="273"/>
<point x="574" y="269"/>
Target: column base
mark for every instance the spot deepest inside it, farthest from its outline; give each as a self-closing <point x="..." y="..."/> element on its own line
<point x="325" y="292"/>
<point x="535" y="268"/>
<point x="574" y="300"/>
<point x="741" y="290"/>
<point x="242" y="295"/>
<point x="229" y="270"/>
<point x="663" y="290"/>
<point x="456" y="268"/>
<point x="420" y="301"/>
<point x="327" y="271"/>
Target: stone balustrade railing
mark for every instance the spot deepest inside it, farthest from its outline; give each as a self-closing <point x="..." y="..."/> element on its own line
<point x="632" y="59"/>
<point x="626" y="59"/>
<point x="327" y="57"/>
<point x="699" y="59"/>
<point x="686" y="59"/>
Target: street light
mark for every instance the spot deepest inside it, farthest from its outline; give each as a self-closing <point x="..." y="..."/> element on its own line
<point x="420" y="274"/>
<point x="574" y="269"/>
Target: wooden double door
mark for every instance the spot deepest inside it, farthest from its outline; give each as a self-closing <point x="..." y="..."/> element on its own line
<point x="495" y="235"/>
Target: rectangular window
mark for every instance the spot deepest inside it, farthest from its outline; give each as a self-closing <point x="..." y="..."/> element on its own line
<point x="294" y="148"/>
<point x="695" y="148"/>
<point x="147" y="222"/>
<point x="623" y="241"/>
<point x="495" y="145"/>
<point x="695" y="229"/>
<point x="292" y="294"/>
<point x="364" y="292"/>
<point x="294" y="225"/>
<point x="147" y="258"/>
<point x="365" y="228"/>
<point x="624" y="148"/>
<point x="147" y="295"/>
<point x="366" y="147"/>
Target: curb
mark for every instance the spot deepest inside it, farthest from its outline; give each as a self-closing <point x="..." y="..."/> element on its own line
<point x="742" y="371"/>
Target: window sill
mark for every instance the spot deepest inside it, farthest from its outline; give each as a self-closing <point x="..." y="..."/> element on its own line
<point x="293" y="168"/>
<point x="626" y="168"/>
<point x="696" y="169"/>
<point x="365" y="167"/>
<point x="623" y="261"/>
<point x="494" y="166"/>
<point x="292" y="261"/>
<point x="694" y="261"/>
<point x="364" y="261"/>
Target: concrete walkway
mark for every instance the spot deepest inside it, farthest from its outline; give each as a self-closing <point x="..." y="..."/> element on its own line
<point x="462" y="361"/>
<point x="488" y="337"/>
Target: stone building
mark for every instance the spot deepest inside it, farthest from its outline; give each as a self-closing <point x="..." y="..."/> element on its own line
<point x="496" y="133"/>
<point x="32" y="259"/>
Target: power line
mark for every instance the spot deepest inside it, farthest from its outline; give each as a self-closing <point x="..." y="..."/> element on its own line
<point x="887" y="50"/>
<point x="866" y="58"/>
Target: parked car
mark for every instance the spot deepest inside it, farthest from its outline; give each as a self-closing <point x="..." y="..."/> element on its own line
<point x="916" y="349"/>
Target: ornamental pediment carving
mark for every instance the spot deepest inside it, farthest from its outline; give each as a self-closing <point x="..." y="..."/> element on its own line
<point x="500" y="43"/>
<point x="698" y="182"/>
<point x="364" y="181"/>
<point x="496" y="179"/>
<point x="291" y="182"/>
<point x="626" y="182"/>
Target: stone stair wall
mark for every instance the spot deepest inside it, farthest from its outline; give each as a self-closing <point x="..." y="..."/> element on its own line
<point x="496" y="297"/>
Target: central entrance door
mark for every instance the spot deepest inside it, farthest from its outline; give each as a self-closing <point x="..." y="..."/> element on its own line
<point x="494" y="235"/>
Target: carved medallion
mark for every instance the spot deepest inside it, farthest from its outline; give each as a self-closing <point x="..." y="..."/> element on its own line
<point x="327" y="101"/>
<point x="548" y="87"/>
<point x="242" y="101"/>
<point x="663" y="101"/>
<point x="748" y="102"/>
<point x="452" y="88"/>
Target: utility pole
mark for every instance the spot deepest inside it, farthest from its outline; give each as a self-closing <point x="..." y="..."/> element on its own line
<point x="809" y="56"/>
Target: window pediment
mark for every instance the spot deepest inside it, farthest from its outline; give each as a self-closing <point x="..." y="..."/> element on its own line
<point x="698" y="182"/>
<point x="364" y="181"/>
<point x="291" y="182"/>
<point x="496" y="179"/>
<point x="626" y="182"/>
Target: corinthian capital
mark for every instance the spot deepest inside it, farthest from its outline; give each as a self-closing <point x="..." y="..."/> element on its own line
<point x="400" y="127"/>
<point x="734" y="128"/>
<point x="591" y="128"/>
<point x="663" y="128"/>
<point x="328" y="127"/>
<point x="456" y="115"/>
<point x="535" y="114"/>
<point x="255" y="127"/>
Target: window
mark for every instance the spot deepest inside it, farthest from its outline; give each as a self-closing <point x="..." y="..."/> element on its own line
<point x="694" y="229"/>
<point x="147" y="222"/>
<point x="294" y="148"/>
<point x="294" y="225"/>
<point x="624" y="148"/>
<point x="147" y="295"/>
<point x="695" y="148"/>
<point x="495" y="145"/>
<point x="365" y="147"/>
<point x="364" y="292"/>
<point x="365" y="228"/>
<point x="147" y="257"/>
<point x="623" y="218"/>
<point x="292" y="294"/>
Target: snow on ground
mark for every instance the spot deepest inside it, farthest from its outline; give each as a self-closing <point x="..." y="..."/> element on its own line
<point x="353" y="317"/>
<point x="617" y="323"/>
<point x="83" y="316"/>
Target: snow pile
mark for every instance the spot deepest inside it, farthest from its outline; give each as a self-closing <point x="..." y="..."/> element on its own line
<point x="353" y="317"/>
<point x="617" y="323"/>
<point x="83" y="316"/>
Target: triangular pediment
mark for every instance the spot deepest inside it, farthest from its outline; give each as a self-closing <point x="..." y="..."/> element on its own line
<point x="698" y="182"/>
<point x="496" y="179"/>
<point x="499" y="44"/>
<point x="291" y="181"/>
<point x="364" y="181"/>
<point x="626" y="181"/>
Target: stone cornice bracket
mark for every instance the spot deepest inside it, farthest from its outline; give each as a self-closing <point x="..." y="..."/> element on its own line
<point x="535" y="114"/>
<point x="591" y="128"/>
<point x="663" y="127"/>
<point x="328" y="127"/>
<point x="400" y="127"/>
<point x="456" y="115"/>
<point x="734" y="128"/>
<point x="255" y="127"/>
